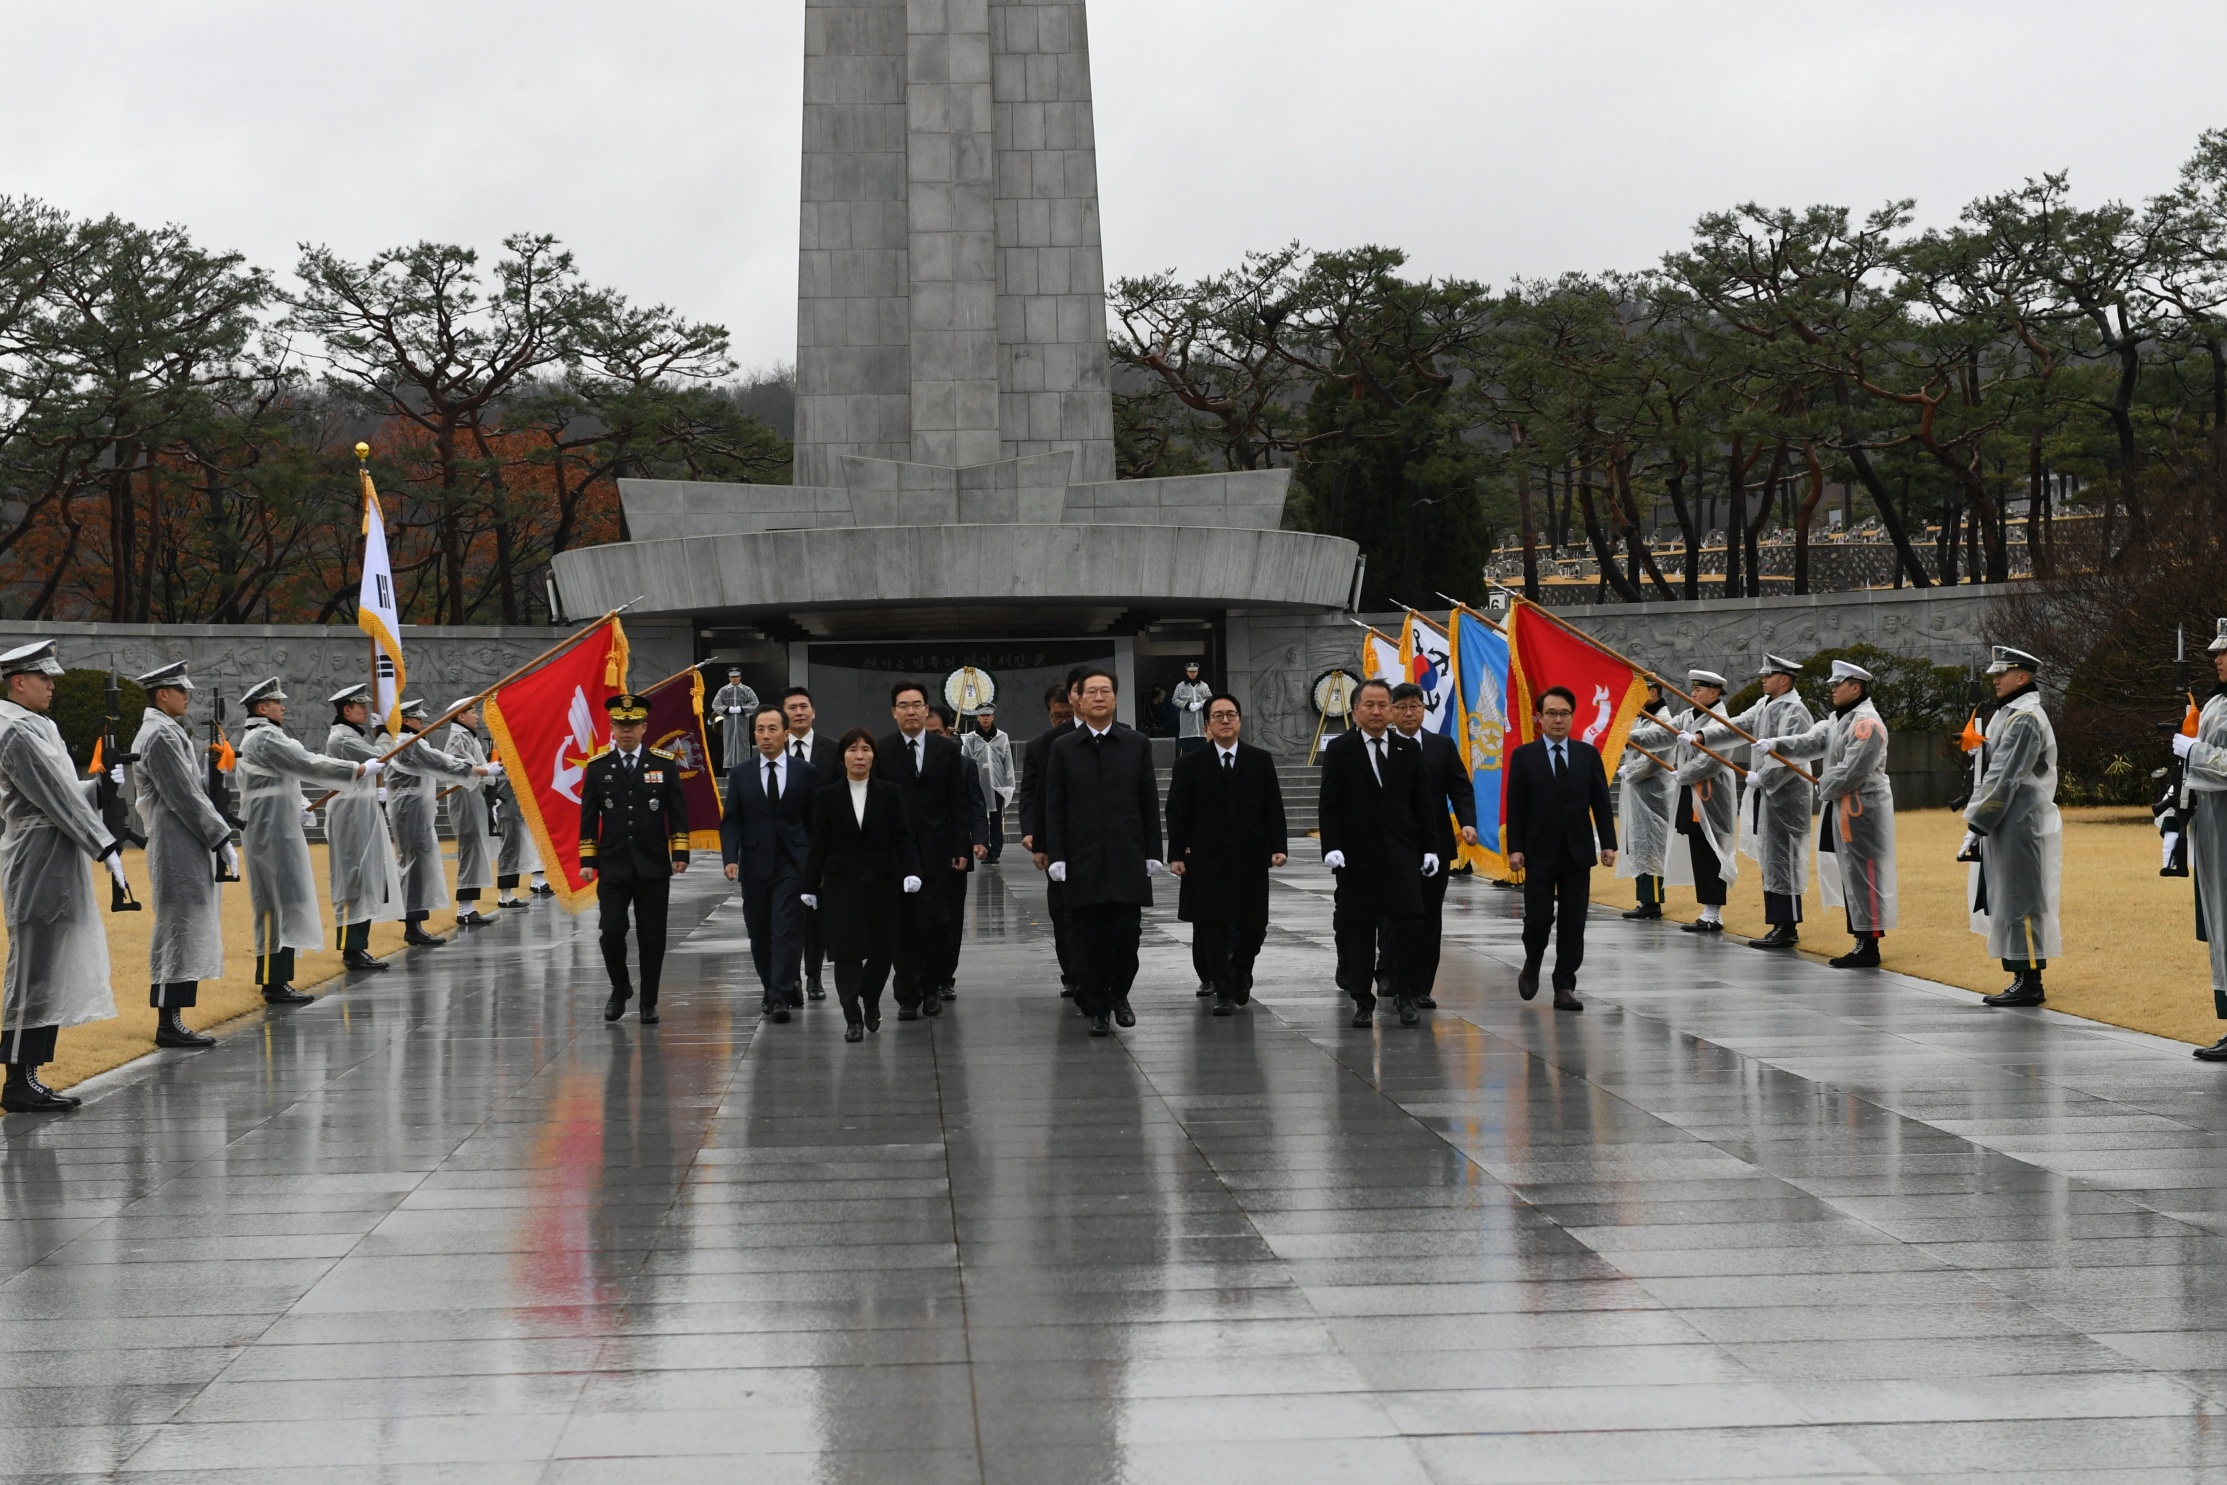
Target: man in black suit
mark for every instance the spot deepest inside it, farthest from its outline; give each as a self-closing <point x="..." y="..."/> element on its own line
<point x="1102" y="833"/>
<point x="765" y="839"/>
<point x="1225" y="831"/>
<point x="805" y="743"/>
<point x="1059" y="710"/>
<point x="633" y="839"/>
<point x="1557" y="802"/>
<point x="927" y="771"/>
<point x="1375" y="820"/>
<point x="1453" y="803"/>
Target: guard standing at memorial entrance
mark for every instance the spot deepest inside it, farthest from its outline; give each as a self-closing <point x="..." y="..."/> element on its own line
<point x="281" y="886"/>
<point x="1779" y="803"/>
<point x="412" y="808"/>
<point x="1190" y="698"/>
<point x="57" y="969"/>
<point x="1646" y="794"/>
<point x="1707" y="813"/>
<point x="633" y="840"/>
<point x="1856" y="833"/>
<point x="2204" y="764"/>
<point x="2014" y="837"/>
<point x="189" y="852"/>
<point x="365" y="886"/>
<point x="732" y="708"/>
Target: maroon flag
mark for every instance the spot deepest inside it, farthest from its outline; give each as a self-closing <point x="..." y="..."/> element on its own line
<point x="677" y="726"/>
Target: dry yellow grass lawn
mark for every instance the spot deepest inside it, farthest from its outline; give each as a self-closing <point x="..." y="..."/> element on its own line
<point x="2131" y="956"/>
<point x="98" y="1046"/>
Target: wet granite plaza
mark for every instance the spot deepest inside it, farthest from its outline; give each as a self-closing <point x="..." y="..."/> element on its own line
<point x="1745" y="1218"/>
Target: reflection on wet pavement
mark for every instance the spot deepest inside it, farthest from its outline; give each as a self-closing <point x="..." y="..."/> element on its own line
<point x="1745" y="1218"/>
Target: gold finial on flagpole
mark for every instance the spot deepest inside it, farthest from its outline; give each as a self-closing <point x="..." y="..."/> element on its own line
<point x="363" y="452"/>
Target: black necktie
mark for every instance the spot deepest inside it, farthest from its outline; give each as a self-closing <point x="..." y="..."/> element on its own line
<point x="796" y="750"/>
<point x="1376" y="757"/>
<point x="1561" y="765"/>
<point x="1229" y="763"/>
<point x="914" y="744"/>
<point x="773" y="782"/>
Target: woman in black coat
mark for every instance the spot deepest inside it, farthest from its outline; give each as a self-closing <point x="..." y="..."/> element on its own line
<point x="862" y="862"/>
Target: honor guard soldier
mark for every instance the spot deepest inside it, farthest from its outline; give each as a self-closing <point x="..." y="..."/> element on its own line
<point x="189" y="851"/>
<point x="1855" y="840"/>
<point x="519" y="857"/>
<point x="1707" y="813"/>
<point x="2204" y="776"/>
<point x="365" y="886"/>
<point x="57" y="969"/>
<point x="413" y="781"/>
<point x="633" y="838"/>
<point x="1646" y="792"/>
<point x="1783" y="802"/>
<point x="734" y="706"/>
<point x="281" y="887"/>
<point x="2014" y="837"/>
<point x="472" y="806"/>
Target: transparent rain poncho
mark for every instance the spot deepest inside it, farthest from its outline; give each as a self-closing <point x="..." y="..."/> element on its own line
<point x="365" y="885"/>
<point x="274" y="852"/>
<point x="1645" y="794"/>
<point x="1778" y="804"/>
<point x="2016" y="885"/>
<point x="475" y="842"/>
<point x="184" y="828"/>
<point x="1855" y="838"/>
<point x="2206" y="778"/>
<point x="1716" y="806"/>
<point x="413" y="780"/>
<point x="57" y="972"/>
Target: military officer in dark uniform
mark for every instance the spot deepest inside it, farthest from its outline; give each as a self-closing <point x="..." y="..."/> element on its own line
<point x="633" y="838"/>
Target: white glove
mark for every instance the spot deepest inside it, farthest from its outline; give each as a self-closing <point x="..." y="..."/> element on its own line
<point x="1971" y="848"/>
<point x="912" y="884"/>
<point x="1058" y="871"/>
<point x="2165" y="857"/>
<point x="114" y="861"/>
<point x="809" y="899"/>
<point x="1763" y="746"/>
<point x="116" y="774"/>
<point x="2182" y="744"/>
<point x="1430" y="864"/>
<point x="382" y="795"/>
<point x="1692" y="739"/>
<point x="493" y="771"/>
<point x="1154" y="868"/>
<point x="229" y="855"/>
<point x="309" y="818"/>
<point x="1198" y="706"/>
<point x="371" y="768"/>
<point x="1335" y="860"/>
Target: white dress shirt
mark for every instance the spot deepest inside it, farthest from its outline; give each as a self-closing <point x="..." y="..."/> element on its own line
<point x="780" y="765"/>
<point x="801" y="747"/>
<point x="1229" y="756"/>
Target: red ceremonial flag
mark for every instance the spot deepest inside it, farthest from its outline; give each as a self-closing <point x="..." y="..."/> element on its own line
<point x="1545" y="652"/>
<point x="677" y="726"/>
<point x="548" y="723"/>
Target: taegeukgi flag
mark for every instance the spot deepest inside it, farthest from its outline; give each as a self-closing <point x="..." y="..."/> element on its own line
<point x="548" y="723"/>
<point x="1427" y="659"/>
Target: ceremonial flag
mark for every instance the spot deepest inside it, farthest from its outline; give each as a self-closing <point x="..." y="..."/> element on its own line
<point x="1543" y="652"/>
<point x="1426" y="658"/>
<point x="547" y="724"/>
<point x="1481" y="730"/>
<point x="677" y="726"/>
<point x="1380" y="657"/>
<point x="375" y="610"/>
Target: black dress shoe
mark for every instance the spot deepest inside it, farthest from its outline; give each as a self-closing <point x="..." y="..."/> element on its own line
<point x="358" y="959"/>
<point x="874" y="1018"/>
<point x="1123" y="1016"/>
<point x="1364" y="1016"/>
<point x="1409" y="1016"/>
<point x="1425" y="1003"/>
<point x="1224" y="1006"/>
<point x="1099" y="1026"/>
<point x="951" y="992"/>
<point x="1703" y="925"/>
<point x="2025" y="990"/>
<point x="780" y="1016"/>
<point x="1204" y="989"/>
<point x="814" y="992"/>
<point x="1781" y="936"/>
<point x="908" y="1013"/>
<point x="287" y="995"/>
<point x="417" y="937"/>
<point x="931" y="1004"/>
<point x="2216" y="1052"/>
<point x="170" y="1031"/>
<point x="23" y="1093"/>
<point x="615" y="1007"/>
<point x="649" y="1014"/>
<point x="1566" y="1000"/>
<point x="1527" y="983"/>
<point x="1864" y="956"/>
<point x="1066" y="992"/>
<point x="544" y="890"/>
<point x="854" y="1032"/>
<point x="1642" y="914"/>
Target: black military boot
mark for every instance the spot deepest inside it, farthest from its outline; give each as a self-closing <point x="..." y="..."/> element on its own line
<point x="288" y="995"/>
<point x="356" y="959"/>
<point x="2216" y="1052"/>
<point x="2023" y="990"/>
<point x="23" y="1093"/>
<point x="1781" y="936"/>
<point x="1864" y="956"/>
<point x="414" y="933"/>
<point x="1644" y="913"/>
<point x="170" y="1031"/>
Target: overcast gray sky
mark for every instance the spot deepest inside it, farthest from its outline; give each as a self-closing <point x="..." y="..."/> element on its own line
<point x="659" y="137"/>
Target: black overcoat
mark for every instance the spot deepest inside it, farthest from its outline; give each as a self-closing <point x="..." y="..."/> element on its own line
<point x="1551" y="822"/>
<point x="936" y="802"/>
<point x="1381" y="828"/>
<point x="1223" y="825"/>
<point x="1453" y="798"/>
<point x="1102" y="815"/>
<point x="858" y="871"/>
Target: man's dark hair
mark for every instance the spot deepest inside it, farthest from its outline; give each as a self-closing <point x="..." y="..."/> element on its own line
<point x="1562" y="691"/>
<point x="796" y="691"/>
<point x="768" y="711"/>
<point x="1384" y="686"/>
<point x="1055" y="695"/>
<point x="944" y="715"/>
<point x="1406" y="691"/>
<point x="1075" y="674"/>
<point x="1224" y="696"/>
<point x="902" y="687"/>
<point x="1090" y="672"/>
